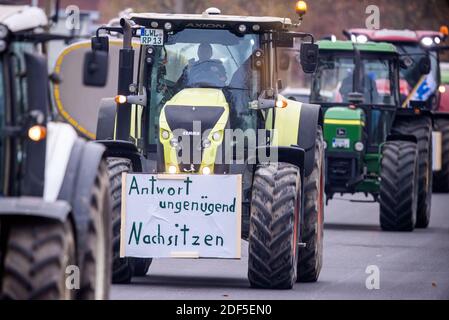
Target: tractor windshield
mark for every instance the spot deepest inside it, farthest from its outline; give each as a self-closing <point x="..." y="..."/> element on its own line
<point x="414" y="85"/>
<point x="211" y="58"/>
<point x="334" y="80"/>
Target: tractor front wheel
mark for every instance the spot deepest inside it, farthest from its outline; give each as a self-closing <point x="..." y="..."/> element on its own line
<point x="421" y="128"/>
<point x="274" y="226"/>
<point x="38" y="252"/>
<point x="123" y="269"/>
<point x="399" y="186"/>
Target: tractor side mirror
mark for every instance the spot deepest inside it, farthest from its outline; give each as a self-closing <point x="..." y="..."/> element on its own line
<point x="309" y="57"/>
<point x="100" y="43"/>
<point x="425" y="65"/>
<point x="96" y="63"/>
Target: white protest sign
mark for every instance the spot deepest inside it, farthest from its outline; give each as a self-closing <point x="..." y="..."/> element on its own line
<point x="181" y="216"/>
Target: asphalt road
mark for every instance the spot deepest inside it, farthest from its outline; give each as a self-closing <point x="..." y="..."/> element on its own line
<point x="411" y="265"/>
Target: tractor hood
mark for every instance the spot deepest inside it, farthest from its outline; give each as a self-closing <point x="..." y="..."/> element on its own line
<point x="187" y="123"/>
<point x="343" y="128"/>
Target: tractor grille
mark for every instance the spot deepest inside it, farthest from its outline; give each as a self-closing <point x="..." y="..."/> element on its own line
<point x="190" y="123"/>
<point x="340" y="171"/>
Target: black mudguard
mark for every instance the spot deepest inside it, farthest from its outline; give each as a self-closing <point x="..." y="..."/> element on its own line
<point x="106" y="119"/>
<point x="77" y="186"/>
<point x="123" y="149"/>
<point x="311" y="117"/>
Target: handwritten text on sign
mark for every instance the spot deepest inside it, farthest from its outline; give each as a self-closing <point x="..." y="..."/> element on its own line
<point x="181" y="216"/>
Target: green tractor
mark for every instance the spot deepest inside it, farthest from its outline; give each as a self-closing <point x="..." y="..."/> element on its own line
<point x="367" y="149"/>
<point x="219" y="71"/>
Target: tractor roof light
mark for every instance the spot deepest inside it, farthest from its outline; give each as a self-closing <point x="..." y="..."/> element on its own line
<point x="242" y="28"/>
<point x="427" y="41"/>
<point x="361" y="38"/>
<point x="120" y="99"/>
<point x="444" y="30"/>
<point x="301" y="8"/>
<point x="37" y="133"/>
<point x="168" y="26"/>
<point x="442" y="89"/>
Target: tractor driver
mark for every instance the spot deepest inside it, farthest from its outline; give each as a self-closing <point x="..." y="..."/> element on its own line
<point x="204" y="72"/>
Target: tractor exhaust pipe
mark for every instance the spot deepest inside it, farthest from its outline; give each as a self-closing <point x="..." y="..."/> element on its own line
<point x="125" y="78"/>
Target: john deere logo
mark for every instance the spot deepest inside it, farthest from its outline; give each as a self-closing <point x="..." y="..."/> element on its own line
<point x="341" y="132"/>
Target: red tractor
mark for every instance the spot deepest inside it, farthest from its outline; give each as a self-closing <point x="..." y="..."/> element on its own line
<point x="421" y="90"/>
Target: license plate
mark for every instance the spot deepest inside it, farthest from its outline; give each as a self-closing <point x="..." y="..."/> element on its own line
<point x="340" y="143"/>
<point x="152" y="37"/>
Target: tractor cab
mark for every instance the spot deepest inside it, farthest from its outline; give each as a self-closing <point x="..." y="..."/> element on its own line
<point x="357" y="86"/>
<point x="201" y="74"/>
<point x="419" y="53"/>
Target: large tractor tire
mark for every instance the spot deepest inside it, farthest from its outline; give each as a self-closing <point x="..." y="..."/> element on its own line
<point x="399" y="186"/>
<point x="421" y="128"/>
<point x="274" y="226"/>
<point x="96" y="277"/>
<point x="123" y="269"/>
<point x="310" y="258"/>
<point x="441" y="178"/>
<point x="38" y="251"/>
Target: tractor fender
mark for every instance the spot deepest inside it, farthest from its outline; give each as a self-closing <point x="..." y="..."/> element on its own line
<point x="106" y="119"/>
<point x="123" y="149"/>
<point x="311" y="117"/>
<point x="77" y="186"/>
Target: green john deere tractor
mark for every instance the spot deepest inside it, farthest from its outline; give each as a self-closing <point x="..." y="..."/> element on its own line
<point x="220" y="72"/>
<point x="367" y="149"/>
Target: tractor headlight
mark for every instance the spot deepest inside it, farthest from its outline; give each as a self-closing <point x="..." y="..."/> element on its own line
<point x="206" y="171"/>
<point x="165" y="134"/>
<point x="174" y="142"/>
<point x="427" y="41"/>
<point x="325" y="144"/>
<point x="206" y="143"/>
<point x="216" y="136"/>
<point x="359" y="146"/>
<point x="361" y="38"/>
<point x="172" y="169"/>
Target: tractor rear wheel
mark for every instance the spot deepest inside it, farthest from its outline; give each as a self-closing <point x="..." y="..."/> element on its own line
<point x="274" y="226"/>
<point x="441" y="178"/>
<point x="38" y="251"/>
<point x="421" y="128"/>
<point x="123" y="269"/>
<point x="311" y="256"/>
<point x="399" y="186"/>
